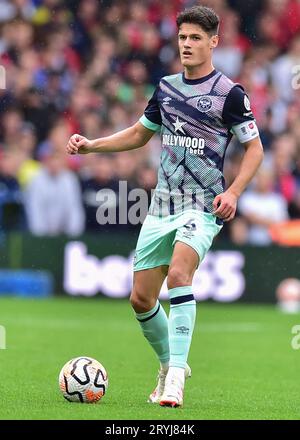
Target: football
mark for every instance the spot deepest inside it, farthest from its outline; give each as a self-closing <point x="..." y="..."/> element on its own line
<point x="84" y="380"/>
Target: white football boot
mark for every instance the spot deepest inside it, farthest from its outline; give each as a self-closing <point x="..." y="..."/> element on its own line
<point x="156" y="395"/>
<point x="173" y="392"/>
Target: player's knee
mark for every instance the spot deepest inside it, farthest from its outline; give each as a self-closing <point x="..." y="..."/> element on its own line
<point x="177" y="278"/>
<point x="139" y="303"/>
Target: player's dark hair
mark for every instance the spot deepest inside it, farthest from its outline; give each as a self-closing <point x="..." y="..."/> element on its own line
<point x="201" y="15"/>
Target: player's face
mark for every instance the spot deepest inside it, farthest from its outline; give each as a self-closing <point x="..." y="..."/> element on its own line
<point x="195" y="45"/>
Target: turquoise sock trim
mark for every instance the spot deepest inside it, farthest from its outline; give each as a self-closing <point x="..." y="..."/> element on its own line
<point x="181" y="326"/>
<point x="180" y="291"/>
<point x="146" y="315"/>
<point x="154" y="325"/>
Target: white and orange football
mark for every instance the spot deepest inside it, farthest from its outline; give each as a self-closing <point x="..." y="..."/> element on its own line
<point x="83" y="379"/>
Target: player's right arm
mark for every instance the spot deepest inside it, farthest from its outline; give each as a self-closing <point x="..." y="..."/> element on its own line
<point x="131" y="138"/>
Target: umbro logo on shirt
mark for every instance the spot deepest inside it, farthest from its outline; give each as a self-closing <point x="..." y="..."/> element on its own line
<point x="167" y="100"/>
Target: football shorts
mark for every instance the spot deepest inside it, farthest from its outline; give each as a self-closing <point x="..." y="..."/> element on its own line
<point x="158" y="236"/>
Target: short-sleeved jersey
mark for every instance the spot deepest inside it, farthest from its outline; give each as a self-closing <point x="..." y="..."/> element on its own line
<point x="196" y="120"/>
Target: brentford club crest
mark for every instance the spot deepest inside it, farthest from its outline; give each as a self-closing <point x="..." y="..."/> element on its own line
<point x="204" y="104"/>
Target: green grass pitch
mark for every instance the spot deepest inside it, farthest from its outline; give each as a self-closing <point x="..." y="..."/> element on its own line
<point x="243" y="363"/>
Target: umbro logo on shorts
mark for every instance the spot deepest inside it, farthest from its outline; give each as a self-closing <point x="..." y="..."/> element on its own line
<point x="191" y="225"/>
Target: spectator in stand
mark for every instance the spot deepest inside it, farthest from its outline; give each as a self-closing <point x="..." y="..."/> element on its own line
<point x="262" y="207"/>
<point x="283" y="160"/>
<point x="53" y="199"/>
<point x="11" y="126"/>
<point x="101" y="178"/>
<point x="279" y="21"/>
<point x="238" y="231"/>
<point x="228" y="56"/>
<point x="59" y="132"/>
<point x="28" y="166"/>
<point x="10" y="10"/>
<point x="283" y="70"/>
<point x="10" y="193"/>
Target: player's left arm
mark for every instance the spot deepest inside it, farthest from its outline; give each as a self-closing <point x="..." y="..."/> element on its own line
<point x="225" y="204"/>
<point x="238" y="115"/>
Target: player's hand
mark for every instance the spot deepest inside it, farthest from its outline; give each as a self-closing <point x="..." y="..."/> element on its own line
<point x="225" y="206"/>
<point x="79" y="145"/>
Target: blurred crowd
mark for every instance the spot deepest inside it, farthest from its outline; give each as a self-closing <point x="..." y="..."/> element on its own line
<point x="90" y="66"/>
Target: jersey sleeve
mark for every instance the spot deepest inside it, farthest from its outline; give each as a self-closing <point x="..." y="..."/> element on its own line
<point x="151" y="118"/>
<point x="238" y="116"/>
